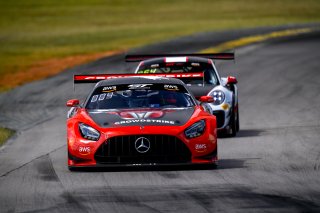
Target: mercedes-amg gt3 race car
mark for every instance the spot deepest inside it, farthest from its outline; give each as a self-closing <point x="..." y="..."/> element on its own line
<point x="134" y="121"/>
<point x="223" y="90"/>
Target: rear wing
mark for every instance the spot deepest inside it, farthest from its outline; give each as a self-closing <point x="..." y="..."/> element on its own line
<point x="94" y="78"/>
<point x="216" y="56"/>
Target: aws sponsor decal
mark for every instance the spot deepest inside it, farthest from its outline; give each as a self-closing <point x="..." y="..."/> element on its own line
<point x="171" y="87"/>
<point x="84" y="150"/>
<point x="109" y="89"/>
<point x="154" y="121"/>
<point x="200" y="147"/>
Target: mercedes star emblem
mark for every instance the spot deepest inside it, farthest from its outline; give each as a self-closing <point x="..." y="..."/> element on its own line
<point x="142" y="145"/>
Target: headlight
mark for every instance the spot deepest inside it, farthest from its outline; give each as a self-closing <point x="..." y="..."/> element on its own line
<point x="218" y="97"/>
<point x="88" y="132"/>
<point x="195" y="129"/>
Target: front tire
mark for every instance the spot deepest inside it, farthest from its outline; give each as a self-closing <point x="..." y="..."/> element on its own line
<point x="233" y="125"/>
<point x="238" y="122"/>
<point x="71" y="168"/>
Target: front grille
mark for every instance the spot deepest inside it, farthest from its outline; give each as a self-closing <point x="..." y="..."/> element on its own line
<point x="220" y="118"/>
<point x="164" y="149"/>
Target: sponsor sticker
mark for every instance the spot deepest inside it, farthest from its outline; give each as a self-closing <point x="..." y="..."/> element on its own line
<point x="84" y="150"/>
<point x="154" y="121"/>
<point x="171" y="87"/>
<point x="200" y="147"/>
<point x="109" y="89"/>
<point x="141" y="115"/>
<point x="139" y="86"/>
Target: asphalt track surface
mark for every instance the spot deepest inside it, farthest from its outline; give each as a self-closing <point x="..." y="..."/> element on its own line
<point x="273" y="165"/>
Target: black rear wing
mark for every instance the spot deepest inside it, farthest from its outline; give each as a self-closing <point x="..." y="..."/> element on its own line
<point x="215" y="56"/>
<point x="94" y="78"/>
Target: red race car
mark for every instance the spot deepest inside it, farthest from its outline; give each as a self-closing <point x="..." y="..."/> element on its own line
<point x="135" y="121"/>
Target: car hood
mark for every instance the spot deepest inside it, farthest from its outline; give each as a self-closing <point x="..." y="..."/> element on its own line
<point x="141" y="117"/>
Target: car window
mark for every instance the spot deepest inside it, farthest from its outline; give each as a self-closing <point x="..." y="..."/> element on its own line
<point x="140" y="96"/>
<point x="182" y="67"/>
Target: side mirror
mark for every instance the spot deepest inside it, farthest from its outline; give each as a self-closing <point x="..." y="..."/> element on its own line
<point x="231" y="80"/>
<point x="206" y="99"/>
<point x="73" y="103"/>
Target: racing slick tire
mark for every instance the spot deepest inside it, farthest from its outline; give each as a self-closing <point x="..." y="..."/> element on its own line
<point x="233" y="126"/>
<point x="238" y="122"/>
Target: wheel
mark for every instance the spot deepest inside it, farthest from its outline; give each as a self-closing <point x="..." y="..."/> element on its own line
<point x="231" y="129"/>
<point x="238" y="122"/>
<point x="71" y="168"/>
<point x="214" y="166"/>
<point x="233" y="125"/>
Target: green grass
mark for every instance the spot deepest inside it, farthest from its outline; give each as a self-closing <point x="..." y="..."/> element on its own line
<point x="4" y="135"/>
<point x="33" y="30"/>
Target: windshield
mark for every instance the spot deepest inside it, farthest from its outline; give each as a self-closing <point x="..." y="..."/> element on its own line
<point x="182" y="67"/>
<point x="140" y="96"/>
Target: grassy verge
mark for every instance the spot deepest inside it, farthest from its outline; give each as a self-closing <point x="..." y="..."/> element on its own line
<point x="41" y="38"/>
<point x="4" y="135"/>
